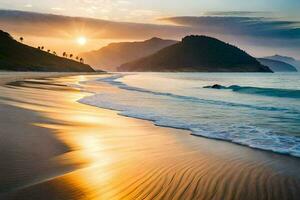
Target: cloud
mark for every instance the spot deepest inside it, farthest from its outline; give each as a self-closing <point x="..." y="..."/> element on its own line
<point x="263" y="31"/>
<point x="50" y="25"/>
<point x="237" y="13"/>
<point x="28" y="6"/>
<point x="62" y="26"/>
<point x="57" y="9"/>
<point x="124" y="2"/>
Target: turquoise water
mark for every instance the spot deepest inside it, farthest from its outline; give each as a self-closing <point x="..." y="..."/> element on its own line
<point x="256" y="110"/>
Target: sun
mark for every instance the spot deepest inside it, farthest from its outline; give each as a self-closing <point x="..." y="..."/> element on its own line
<point x="81" y="40"/>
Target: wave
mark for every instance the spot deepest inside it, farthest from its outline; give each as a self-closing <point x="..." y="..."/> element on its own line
<point x="243" y="134"/>
<point x="272" y="92"/>
<point x="113" y="80"/>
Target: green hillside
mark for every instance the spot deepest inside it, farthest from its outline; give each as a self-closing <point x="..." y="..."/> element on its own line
<point x="198" y="54"/>
<point x="16" y="56"/>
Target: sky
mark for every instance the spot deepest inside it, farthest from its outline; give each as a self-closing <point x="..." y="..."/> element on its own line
<point x="261" y="27"/>
<point x="141" y="10"/>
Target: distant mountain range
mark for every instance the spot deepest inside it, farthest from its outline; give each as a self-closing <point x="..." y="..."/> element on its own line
<point x="197" y="54"/>
<point x="277" y="66"/>
<point x="16" y="56"/>
<point x="115" y="54"/>
<point x="286" y="59"/>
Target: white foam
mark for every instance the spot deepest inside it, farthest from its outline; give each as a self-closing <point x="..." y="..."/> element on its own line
<point x="222" y="121"/>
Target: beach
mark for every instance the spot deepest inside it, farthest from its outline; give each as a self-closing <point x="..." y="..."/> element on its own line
<point x="53" y="147"/>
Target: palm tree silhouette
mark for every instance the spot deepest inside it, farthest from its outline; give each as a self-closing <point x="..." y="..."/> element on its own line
<point x="81" y="60"/>
<point x="21" y="39"/>
<point x="39" y="48"/>
<point x="64" y="54"/>
<point x="42" y="47"/>
<point x="48" y="50"/>
<point x="77" y="57"/>
<point x="71" y="55"/>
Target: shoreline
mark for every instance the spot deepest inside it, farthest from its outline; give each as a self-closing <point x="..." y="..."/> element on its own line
<point x="188" y="131"/>
<point x="155" y="121"/>
<point x="100" y="154"/>
<point x="12" y="76"/>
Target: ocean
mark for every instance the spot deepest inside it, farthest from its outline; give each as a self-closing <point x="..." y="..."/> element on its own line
<point x="258" y="110"/>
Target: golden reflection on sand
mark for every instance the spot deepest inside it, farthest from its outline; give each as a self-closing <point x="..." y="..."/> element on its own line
<point x="124" y="158"/>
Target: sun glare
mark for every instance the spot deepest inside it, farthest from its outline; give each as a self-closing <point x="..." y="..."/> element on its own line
<point x="81" y="40"/>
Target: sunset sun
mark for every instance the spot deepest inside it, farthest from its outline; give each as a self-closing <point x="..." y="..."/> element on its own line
<point x="81" y="40"/>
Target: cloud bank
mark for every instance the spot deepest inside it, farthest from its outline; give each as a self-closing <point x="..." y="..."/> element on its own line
<point x="244" y="26"/>
<point x="50" y="25"/>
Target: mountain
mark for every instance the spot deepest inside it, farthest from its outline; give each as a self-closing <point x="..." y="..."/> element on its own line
<point x="286" y="59"/>
<point x="281" y="58"/>
<point x="277" y="66"/>
<point x="197" y="54"/>
<point x="16" y="56"/>
<point x="112" y="56"/>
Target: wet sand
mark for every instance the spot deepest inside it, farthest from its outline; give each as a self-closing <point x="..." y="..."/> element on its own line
<point x="9" y="76"/>
<point x="55" y="148"/>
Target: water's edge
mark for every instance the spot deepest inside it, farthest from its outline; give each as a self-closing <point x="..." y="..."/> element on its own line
<point x="123" y="112"/>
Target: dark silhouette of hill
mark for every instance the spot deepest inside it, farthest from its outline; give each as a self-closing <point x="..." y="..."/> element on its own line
<point x="277" y="66"/>
<point x="281" y="58"/>
<point x="16" y="56"/>
<point x="198" y="54"/>
<point x="286" y="59"/>
<point x="113" y="55"/>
